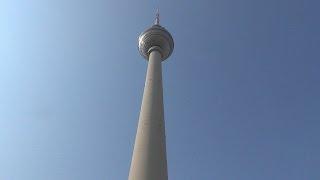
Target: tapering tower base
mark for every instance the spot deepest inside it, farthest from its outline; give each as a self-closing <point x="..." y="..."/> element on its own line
<point x="149" y="160"/>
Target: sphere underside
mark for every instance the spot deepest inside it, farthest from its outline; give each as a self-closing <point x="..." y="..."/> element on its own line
<point x="156" y="36"/>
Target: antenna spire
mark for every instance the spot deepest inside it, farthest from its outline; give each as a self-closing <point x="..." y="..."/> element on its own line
<point x="157" y="20"/>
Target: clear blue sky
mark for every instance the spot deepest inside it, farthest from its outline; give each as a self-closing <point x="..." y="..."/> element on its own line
<point x="242" y="88"/>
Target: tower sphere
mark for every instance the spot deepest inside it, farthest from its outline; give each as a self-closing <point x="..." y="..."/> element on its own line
<point x="156" y="37"/>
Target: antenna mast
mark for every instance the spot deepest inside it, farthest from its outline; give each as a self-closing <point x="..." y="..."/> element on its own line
<point x="157" y="20"/>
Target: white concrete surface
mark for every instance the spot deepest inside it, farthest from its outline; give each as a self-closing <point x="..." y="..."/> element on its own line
<point x="149" y="160"/>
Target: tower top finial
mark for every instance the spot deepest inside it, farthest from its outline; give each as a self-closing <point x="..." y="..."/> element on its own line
<point x="156" y="36"/>
<point x="157" y="20"/>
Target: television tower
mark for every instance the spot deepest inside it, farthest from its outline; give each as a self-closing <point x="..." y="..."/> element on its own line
<point x="149" y="161"/>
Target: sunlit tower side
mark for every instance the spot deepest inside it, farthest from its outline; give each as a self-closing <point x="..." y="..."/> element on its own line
<point x="149" y="160"/>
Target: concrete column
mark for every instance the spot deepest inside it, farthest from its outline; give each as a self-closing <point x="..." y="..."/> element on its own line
<point x="149" y="161"/>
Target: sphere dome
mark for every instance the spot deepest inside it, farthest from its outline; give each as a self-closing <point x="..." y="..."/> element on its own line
<point x="156" y="36"/>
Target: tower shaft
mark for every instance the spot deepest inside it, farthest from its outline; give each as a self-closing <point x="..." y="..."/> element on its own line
<point x="149" y="161"/>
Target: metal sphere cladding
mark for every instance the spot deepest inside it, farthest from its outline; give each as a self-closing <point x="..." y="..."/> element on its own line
<point x="156" y="36"/>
